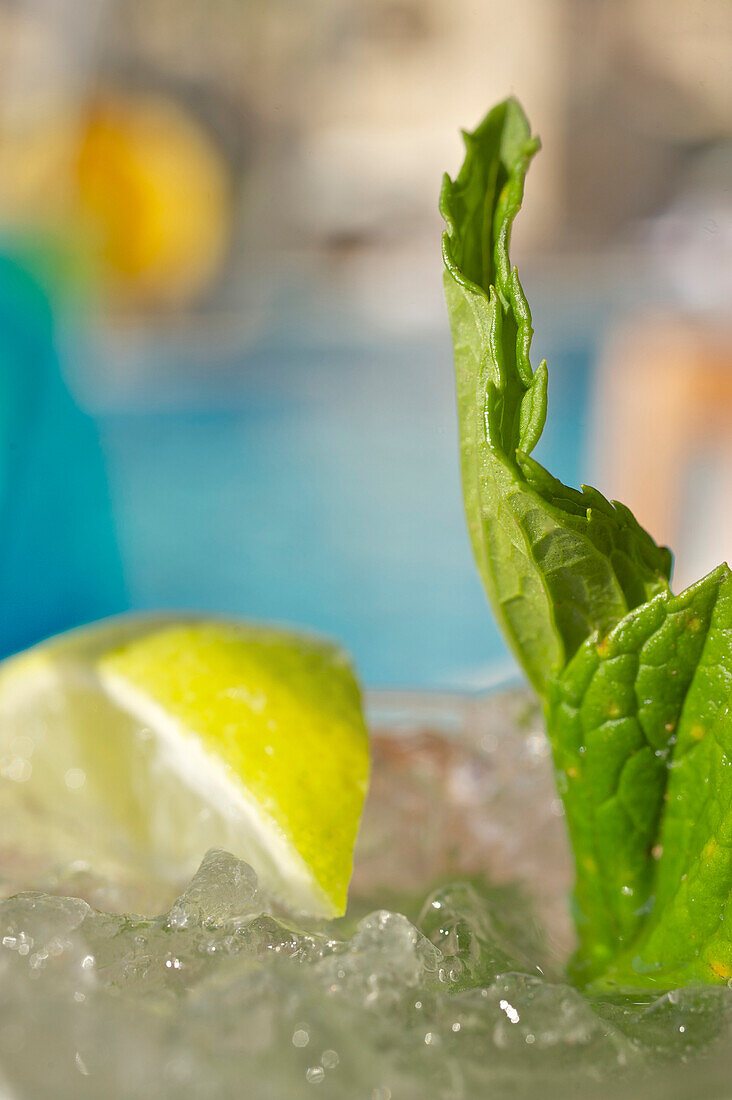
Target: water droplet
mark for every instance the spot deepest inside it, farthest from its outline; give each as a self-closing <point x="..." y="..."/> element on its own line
<point x="75" y="779"/>
<point x="300" y="1037"/>
<point x="16" y="768"/>
<point x="314" y="1075"/>
<point x="329" y="1059"/>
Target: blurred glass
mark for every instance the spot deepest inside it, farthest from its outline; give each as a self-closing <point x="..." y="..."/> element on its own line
<point x="59" y="558"/>
<point x="240" y="199"/>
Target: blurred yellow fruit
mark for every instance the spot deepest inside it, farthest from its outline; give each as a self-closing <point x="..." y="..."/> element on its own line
<point x="155" y="192"/>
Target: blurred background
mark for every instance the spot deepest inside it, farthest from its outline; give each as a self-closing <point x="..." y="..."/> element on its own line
<point x="225" y="367"/>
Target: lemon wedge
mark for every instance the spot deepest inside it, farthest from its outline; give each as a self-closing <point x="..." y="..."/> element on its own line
<point x="156" y="739"/>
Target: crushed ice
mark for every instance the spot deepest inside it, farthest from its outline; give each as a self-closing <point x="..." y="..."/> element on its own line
<point x="225" y="995"/>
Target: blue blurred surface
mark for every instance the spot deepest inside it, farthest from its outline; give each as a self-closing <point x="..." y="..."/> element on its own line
<point x="308" y="478"/>
<point x="319" y="486"/>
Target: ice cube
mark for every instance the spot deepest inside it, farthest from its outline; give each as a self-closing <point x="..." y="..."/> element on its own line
<point x="224" y="890"/>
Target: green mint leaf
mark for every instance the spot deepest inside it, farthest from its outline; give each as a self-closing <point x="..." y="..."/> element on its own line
<point x="557" y="564"/>
<point x="637" y="682"/>
<point x="629" y="768"/>
<point x="687" y="935"/>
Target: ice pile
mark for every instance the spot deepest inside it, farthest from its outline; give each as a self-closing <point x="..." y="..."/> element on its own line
<point x="223" y="996"/>
<point x="438" y="985"/>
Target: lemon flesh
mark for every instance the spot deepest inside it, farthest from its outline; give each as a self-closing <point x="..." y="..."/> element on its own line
<point x="152" y="740"/>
